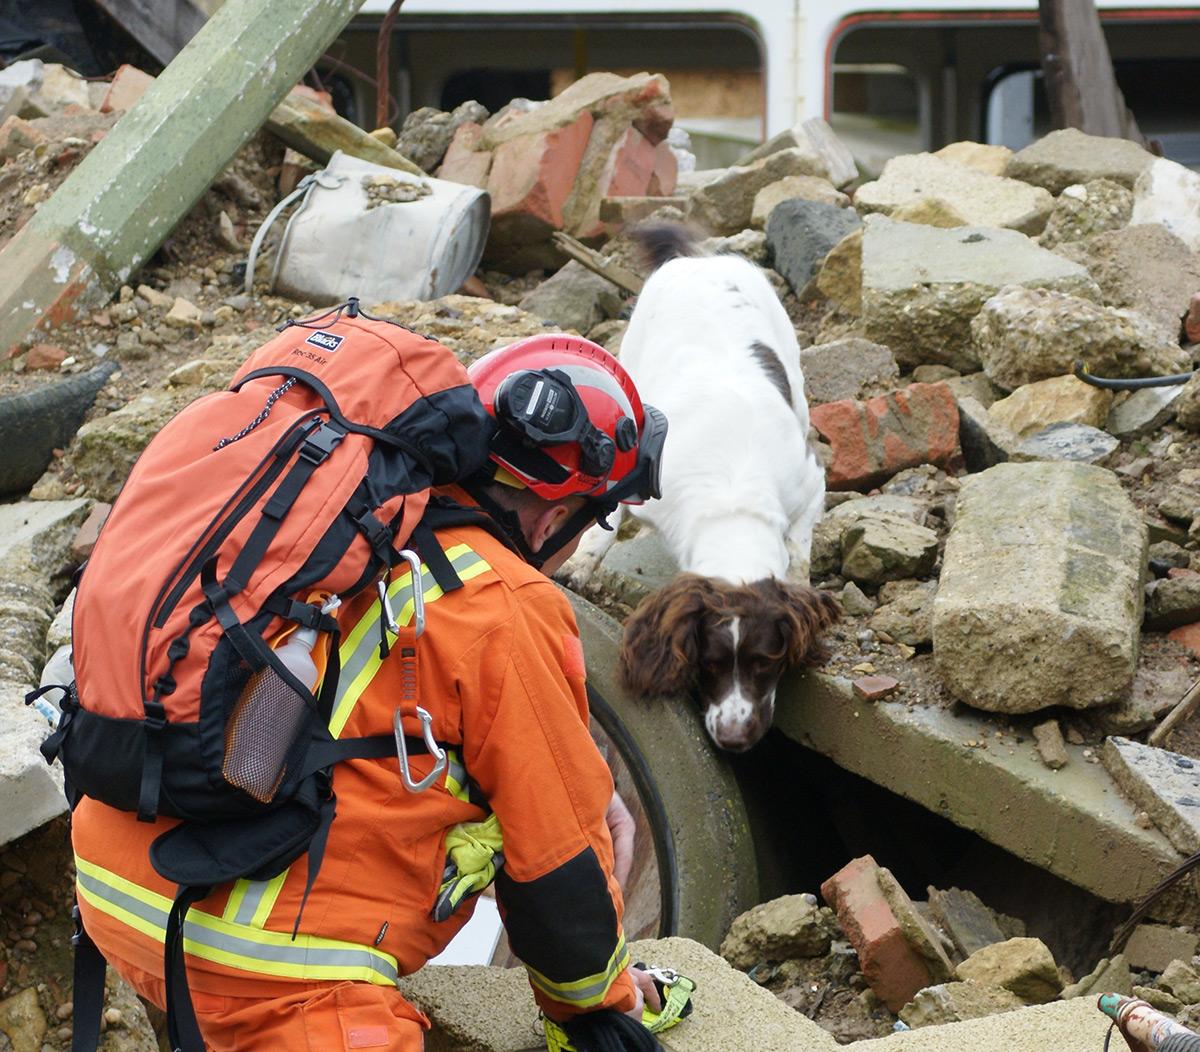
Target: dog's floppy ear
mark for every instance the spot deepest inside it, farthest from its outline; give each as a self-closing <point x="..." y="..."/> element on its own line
<point x="662" y="637"/>
<point x="808" y="612"/>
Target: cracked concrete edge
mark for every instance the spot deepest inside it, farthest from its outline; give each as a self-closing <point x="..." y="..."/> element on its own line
<point x="1073" y="822"/>
<point x="35" y="540"/>
<point x="1163" y="784"/>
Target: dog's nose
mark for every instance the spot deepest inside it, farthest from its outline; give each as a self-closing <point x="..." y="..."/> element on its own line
<point x="733" y="737"/>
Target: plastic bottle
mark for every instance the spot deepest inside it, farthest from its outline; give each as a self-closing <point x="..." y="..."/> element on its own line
<point x="268" y="715"/>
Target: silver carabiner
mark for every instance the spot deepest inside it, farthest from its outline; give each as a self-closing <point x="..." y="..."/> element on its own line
<point x="435" y="750"/>
<point x="418" y="588"/>
<point x="418" y="593"/>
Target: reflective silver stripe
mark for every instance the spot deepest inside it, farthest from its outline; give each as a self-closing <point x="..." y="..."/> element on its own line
<point x="586" y="992"/>
<point x="249" y="949"/>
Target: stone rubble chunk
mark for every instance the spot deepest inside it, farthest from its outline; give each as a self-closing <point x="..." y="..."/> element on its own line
<point x="1143" y="268"/>
<point x="851" y="368"/>
<point x="813" y="136"/>
<point x="1155" y="692"/>
<point x="827" y="534"/>
<point x="907" y="618"/>
<point x="1059" y="399"/>
<point x="1143" y="412"/>
<point x="1085" y="209"/>
<point x="840" y="274"/>
<point x="955" y="1001"/>
<point x="965" y="919"/>
<point x="1022" y="335"/>
<point x="922" y="286"/>
<point x="806" y="187"/>
<point x="1152" y="947"/>
<point x="1073" y="443"/>
<point x="987" y="158"/>
<point x="1181" y="979"/>
<point x="779" y="930"/>
<point x="1025" y="966"/>
<point x="1172" y="602"/>
<point x="981" y="199"/>
<point x="1050" y="745"/>
<point x="801" y="234"/>
<point x="1043" y="559"/>
<point x="985" y="440"/>
<point x="1168" y="193"/>
<point x="1109" y="976"/>
<point x="1068" y="156"/>
<point x="879" y="550"/>
<point x="725" y="205"/>
<point x="574" y="298"/>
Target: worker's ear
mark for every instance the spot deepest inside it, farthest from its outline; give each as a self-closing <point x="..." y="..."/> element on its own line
<point x="546" y="525"/>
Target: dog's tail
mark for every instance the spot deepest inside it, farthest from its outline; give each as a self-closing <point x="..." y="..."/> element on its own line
<point x="659" y="243"/>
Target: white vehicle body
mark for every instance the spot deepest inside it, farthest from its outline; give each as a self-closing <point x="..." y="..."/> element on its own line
<point x="923" y="77"/>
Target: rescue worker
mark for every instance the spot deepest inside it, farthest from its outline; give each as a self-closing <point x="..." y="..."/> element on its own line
<point x="500" y="669"/>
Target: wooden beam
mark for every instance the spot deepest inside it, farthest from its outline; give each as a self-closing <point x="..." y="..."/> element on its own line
<point x="1080" y="86"/>
<point x="310" y="128"/>
<point x="162" y="27"/>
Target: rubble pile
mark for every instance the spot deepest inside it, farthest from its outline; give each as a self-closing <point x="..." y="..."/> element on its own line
<point x="1006" y="538"/>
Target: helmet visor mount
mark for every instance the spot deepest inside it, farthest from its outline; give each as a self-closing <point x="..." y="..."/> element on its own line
<point x="545" y="409"/>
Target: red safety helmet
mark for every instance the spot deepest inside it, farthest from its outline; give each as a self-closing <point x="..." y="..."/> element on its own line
<point x="571" y="421"/>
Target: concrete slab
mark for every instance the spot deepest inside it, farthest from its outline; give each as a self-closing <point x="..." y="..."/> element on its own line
<point x="491" y="1010"/>
<point x="1073" y="822"/>
<point x="1163" y="784"/>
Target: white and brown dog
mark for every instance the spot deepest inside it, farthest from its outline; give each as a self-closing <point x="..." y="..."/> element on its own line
<point x="711" y="346"/>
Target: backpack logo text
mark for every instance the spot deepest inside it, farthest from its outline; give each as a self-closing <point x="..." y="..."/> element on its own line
<point x="327" y="341"/>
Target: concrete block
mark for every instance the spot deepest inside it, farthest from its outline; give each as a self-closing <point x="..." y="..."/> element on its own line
<point x="1024" y="966"/>
<point x="963" y="917"/>
<point x="1044" y="559"/>
<point x="1154" y="946"/>
<point x="873" y="440"/>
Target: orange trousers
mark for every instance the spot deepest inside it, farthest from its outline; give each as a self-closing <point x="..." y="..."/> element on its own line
<point x="305" y="1017"/>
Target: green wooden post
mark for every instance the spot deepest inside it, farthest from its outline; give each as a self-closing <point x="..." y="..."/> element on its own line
<point x="127" y="195"/>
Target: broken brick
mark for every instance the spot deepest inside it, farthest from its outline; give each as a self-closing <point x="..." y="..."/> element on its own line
<point x="464" y="162"/>
<point x="128" y="85"/>
<point x="1188" y="636"/>
<point x="85" y="539"/>
<point x="871" y="441"/>
<point x="873" y="688"/>
<point x="44" y="356"/>
<point x="532" y="175"/>
<point x="892" y="967"/>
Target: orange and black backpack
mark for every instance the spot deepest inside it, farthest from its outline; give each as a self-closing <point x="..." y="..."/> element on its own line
<point x="308" y="477"/>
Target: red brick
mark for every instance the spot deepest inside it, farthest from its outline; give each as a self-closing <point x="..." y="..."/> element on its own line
<point x="894" y="970"/>
<point x="44" y="356"/>
<point x="1191" y="323"/>
<point x="873" y="440"/>
<point x="464" y="162"/>
<point x="872" y="688"/>
<point x="321" y="98"/>
<point x="666" y="171"/>
<point x="627" y="172"/>
<point x="533" y="175"/>
<point x="1188" y="636"/>
<point x="128" y="85"/>
<point x="1175" y="572"/>
<point x="85" y="539"/>
<point x="17" y="134"/>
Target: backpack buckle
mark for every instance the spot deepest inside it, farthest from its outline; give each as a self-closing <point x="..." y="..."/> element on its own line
<point x="320" y="443"/>
<point x="435" y="750"/>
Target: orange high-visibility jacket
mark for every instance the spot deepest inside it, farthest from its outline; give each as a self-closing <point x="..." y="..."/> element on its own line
<point x="501" y="671"/>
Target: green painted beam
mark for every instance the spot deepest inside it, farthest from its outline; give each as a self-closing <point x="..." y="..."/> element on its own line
<point x="127" y="195"/>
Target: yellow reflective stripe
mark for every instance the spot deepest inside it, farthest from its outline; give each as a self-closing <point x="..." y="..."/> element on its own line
<point x="587" y="992"/>
<point x="456" y="776"/>
<point x="359" y="651"/>
<point x="237" y="946"/>
<point x="251" y="901"/>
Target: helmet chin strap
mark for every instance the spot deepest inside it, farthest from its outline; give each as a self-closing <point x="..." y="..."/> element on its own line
<point x="510" y="523"/>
